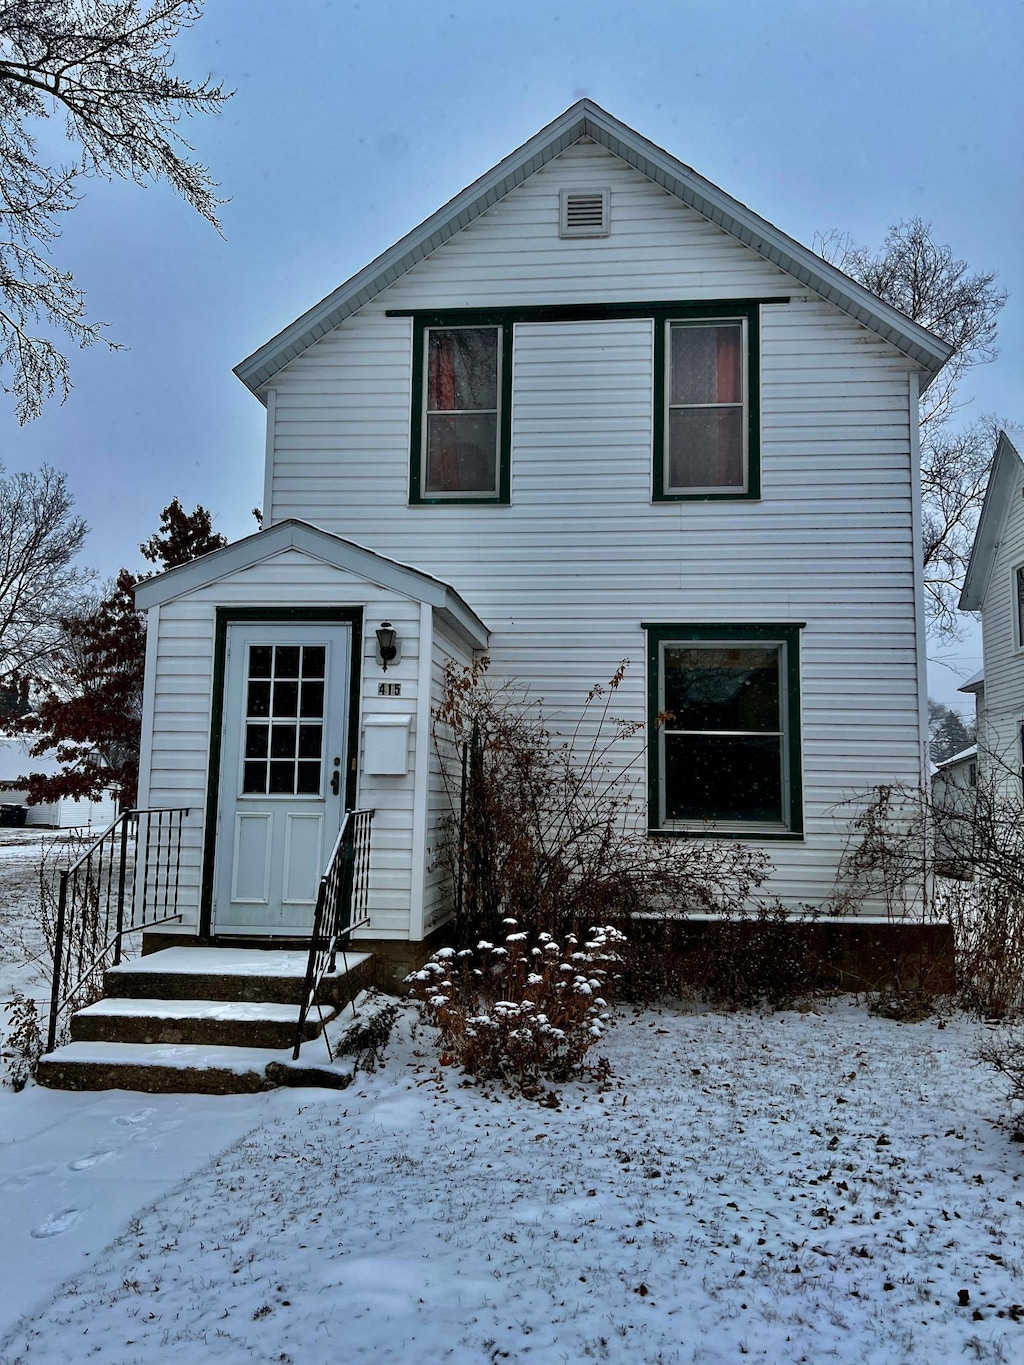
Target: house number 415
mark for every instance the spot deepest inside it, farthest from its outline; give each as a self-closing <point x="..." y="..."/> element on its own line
<point x="385" y="689"/>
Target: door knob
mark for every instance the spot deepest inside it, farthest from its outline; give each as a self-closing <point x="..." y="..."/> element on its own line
<point x="335" y="783"/>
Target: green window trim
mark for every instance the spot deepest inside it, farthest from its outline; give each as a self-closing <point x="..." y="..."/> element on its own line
<point x="417" y="498"/>
<point x="786" y="635"/>
<point x="660" y="311"/>
<point x="726" y="311"/>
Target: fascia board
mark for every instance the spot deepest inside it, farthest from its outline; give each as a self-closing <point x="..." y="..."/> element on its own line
<point x="1005" y="467"/>
<point x="588" y="119"/>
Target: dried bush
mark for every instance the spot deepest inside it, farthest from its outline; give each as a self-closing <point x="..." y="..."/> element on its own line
<point x="549" y="828"/>
<point x="978" y="831"/>
<point x="23" y="1045"/>
<point x="520" y="1012"/>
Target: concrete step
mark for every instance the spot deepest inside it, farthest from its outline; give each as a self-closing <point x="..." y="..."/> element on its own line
<point x="212" y="1023"/>
<point x="273" y="976"/>
<point x="158" y="1068"/>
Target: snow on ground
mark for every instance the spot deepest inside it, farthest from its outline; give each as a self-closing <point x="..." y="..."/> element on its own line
<point x="22" y="951"/>
<point x="795" y="1187"/>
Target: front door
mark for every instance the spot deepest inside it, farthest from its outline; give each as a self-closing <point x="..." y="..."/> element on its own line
<point x="282" y="773"/>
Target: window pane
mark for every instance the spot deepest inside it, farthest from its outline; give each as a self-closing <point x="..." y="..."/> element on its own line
<point x="312" y="700"/>
<point x="309" y="779"/>
<point x="254" y="777"/>
<point x="258" y="703"/>
<point x="711" y="777"/>
<point x="705" y="364"/>
<point x="282" y="778"/>
<point x="313" y="657"/>
<point x="259" y="661"/>
<point x="462" y="454"/>
<point x="705" y="448"/>
<point x="256" y="741"/>
<point x="286" y="663"/>
<point x="309" y="741"/>
<point x="463" y="369"/>
<point x="282" y="742"/>
<point x="1020" y="607"/>
<point x="286" y="698"/>
<point x="722" y="688"/>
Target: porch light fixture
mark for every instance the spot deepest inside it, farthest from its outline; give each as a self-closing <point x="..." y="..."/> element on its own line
<point x="387" y="649"/>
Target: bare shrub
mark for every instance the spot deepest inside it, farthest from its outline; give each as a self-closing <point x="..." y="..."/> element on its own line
<point x="548" y="829"/>
<point x="23" y="1045"/>
<point x="521" y="1011"/>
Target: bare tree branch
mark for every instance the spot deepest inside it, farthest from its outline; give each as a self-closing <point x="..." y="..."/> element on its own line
<point x="106" y="65"/>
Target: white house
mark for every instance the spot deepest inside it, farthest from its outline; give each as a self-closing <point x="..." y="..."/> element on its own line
<point x="994" y="585"/>
<point x="70" y="812"/>
<point x="593" y="409"/>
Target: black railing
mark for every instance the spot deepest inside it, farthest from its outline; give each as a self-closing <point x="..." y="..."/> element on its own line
<point x="341" y="907"/>
<point x="126" y="881"/>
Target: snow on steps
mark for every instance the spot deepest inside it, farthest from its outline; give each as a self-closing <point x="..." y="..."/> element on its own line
<point x="203" y="1020"/>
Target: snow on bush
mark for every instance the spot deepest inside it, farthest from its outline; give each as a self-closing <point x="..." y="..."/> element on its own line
<point x="521" y="1011"/>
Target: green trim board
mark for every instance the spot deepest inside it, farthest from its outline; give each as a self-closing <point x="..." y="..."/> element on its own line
<point x="725" y="310"/>
<point x="417" y="498"/>
<point x="228" y="616"/>
<point x="500" y="314"/>
<point x="786" y="634"/>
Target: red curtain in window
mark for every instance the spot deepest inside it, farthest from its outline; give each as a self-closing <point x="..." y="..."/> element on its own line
<point x="442" y="450"/>
<point x="728" y="389"/>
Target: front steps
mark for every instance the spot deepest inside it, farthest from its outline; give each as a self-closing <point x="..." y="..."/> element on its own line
<point x="202" y="1020"/>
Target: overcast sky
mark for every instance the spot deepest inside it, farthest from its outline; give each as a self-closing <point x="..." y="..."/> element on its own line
<point x="352" y="122"/>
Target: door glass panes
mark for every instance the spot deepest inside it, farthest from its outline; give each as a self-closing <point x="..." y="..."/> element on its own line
<point x="284" y="720"/>
<point x="723" y="734"/>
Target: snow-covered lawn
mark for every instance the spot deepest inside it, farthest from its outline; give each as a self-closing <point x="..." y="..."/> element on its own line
<point x="795" y="1187"/>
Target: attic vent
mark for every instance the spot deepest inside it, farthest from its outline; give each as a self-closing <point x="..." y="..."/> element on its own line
<point x="584" y="213"/>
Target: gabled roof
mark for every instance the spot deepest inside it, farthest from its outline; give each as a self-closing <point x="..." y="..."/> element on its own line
<point x="1006" y="469"/>
<point x="975" y="684"/>
<point x="333" y="550"/>
<point x="588" y="120"/>
<point x="962" y="757"/>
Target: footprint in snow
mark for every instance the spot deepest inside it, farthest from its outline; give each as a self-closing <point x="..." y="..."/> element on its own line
<point x="133" y="1120"/>
<point x="84" y="1162"/>
<point x="18" y="1182"/>
<point x="56" y="1223"/>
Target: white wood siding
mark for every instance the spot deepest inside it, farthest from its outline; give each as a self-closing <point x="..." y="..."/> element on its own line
<point x="564" y="576"/>
<point x="438" y="891"/>
<point x="182" y="698"/>
<point x="1003" y="711"/>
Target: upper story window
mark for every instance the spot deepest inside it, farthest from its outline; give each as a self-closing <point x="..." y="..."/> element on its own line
<point x="460" y="436"/>
<point x="1018" y="583"/>
<point x="707" y="427"/>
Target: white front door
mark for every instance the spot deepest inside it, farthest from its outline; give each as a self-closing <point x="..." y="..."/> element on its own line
<point x="282" y="773"/>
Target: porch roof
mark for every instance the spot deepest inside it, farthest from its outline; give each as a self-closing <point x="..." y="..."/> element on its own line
<point x="331" y="549"/>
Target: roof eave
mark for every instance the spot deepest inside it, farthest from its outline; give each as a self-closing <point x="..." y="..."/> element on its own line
<point x="1005" y="464"/>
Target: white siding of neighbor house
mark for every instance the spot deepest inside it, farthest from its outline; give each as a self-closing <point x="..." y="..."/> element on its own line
<point x="182" y="695"/>
<point x="999" y="736"/>
<point x="564" y="576"/>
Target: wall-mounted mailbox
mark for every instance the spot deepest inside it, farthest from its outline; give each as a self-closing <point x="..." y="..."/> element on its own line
<point x="386" y="746"/>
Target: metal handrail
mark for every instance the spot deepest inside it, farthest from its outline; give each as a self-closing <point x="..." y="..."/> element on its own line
<point x="341" y="908"/>
<point x="90" y="927"/>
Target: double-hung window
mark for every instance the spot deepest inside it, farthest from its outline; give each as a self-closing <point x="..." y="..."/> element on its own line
<point x="725" y="730"/>
<point x="460" y="421"/>
<point x="1018" y="607"/>
<point x="706" y="404"/>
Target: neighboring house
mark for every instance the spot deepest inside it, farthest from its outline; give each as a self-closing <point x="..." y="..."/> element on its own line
<point x="954" y="787"/>
<point x="70" y="812"/>
<point x="593" y="409"/>
<point x="994" y="586"/>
